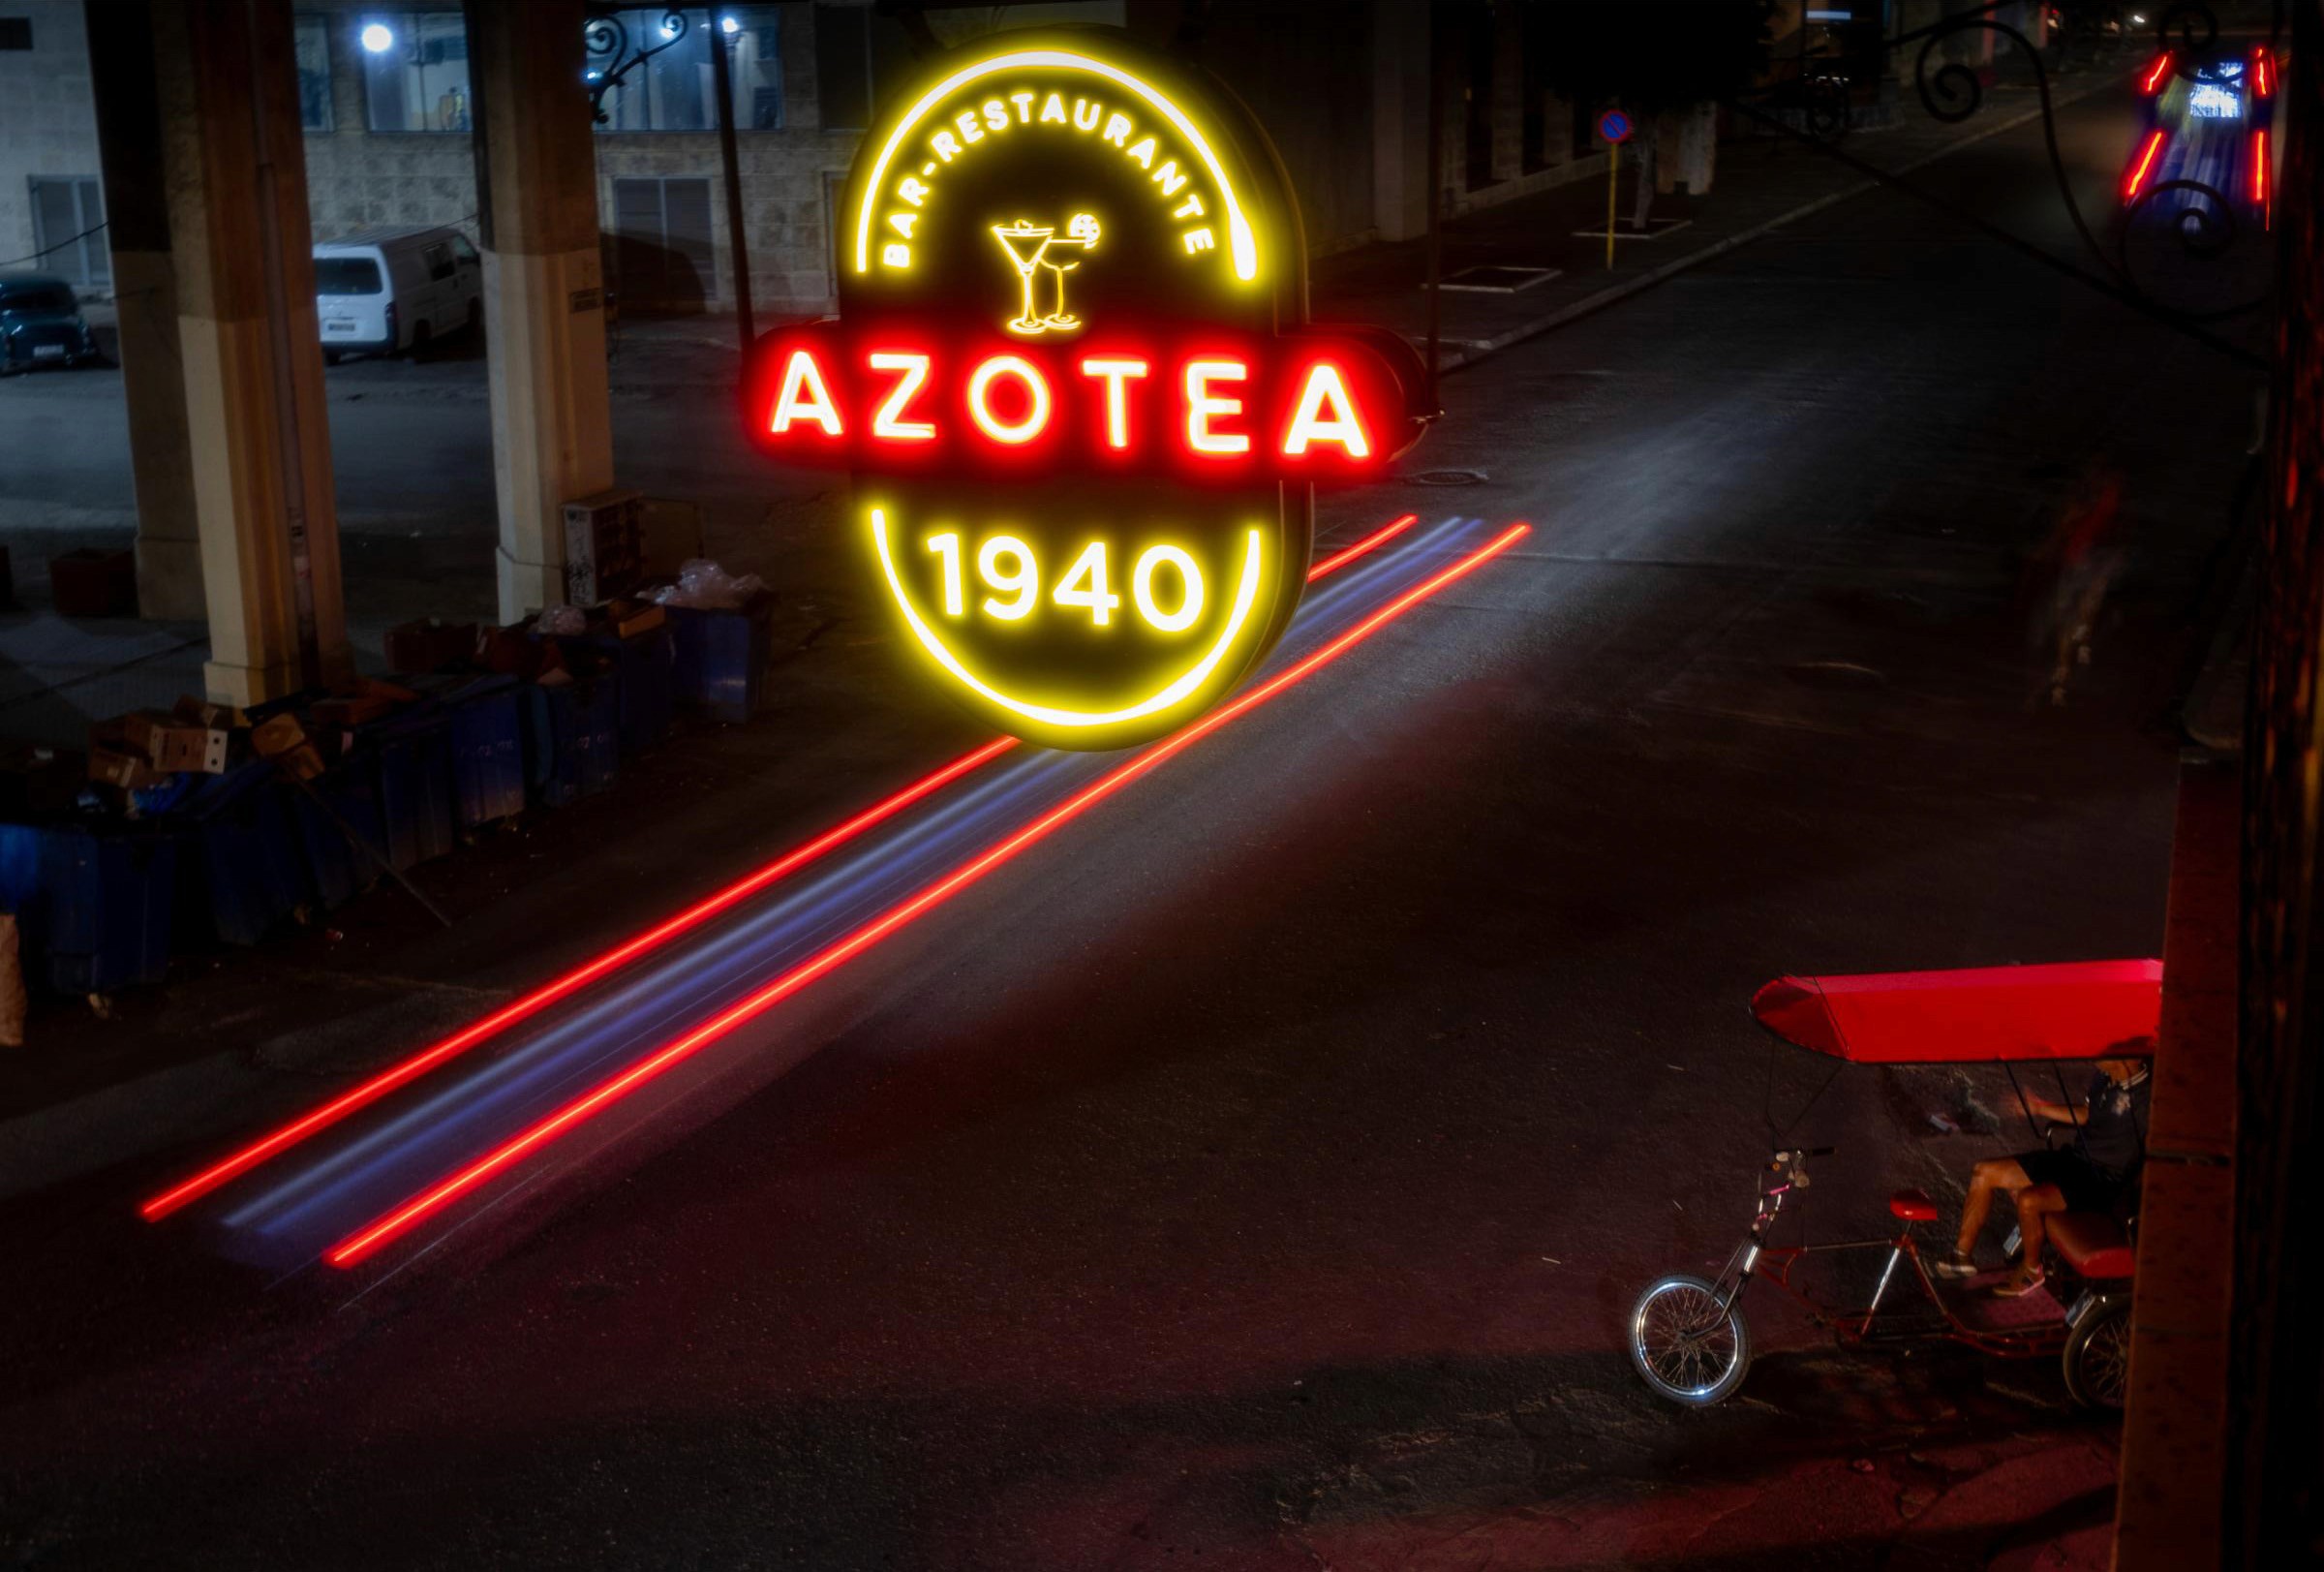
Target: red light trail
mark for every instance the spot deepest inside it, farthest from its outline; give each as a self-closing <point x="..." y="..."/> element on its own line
<point x="1363" y="548"/>
<point x="518" y="1010"/>
<point x="549" y="993"/>
<point x="355" y="1247"/>
<point x="2154" y="77"/>
<point x="2144" y="167"/>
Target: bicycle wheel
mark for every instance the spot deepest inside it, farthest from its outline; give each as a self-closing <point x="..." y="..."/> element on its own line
<point x="1685" y="1346"/>
<point x="2098" y="1356"/>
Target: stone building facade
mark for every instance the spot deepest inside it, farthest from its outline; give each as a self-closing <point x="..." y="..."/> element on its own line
<point x="386" y="105"/>
<point x="49" y="189"/>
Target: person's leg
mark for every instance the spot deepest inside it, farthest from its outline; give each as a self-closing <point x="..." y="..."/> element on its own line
<point x="2035" y="1204"/>
<point x="1994" y="1174"/>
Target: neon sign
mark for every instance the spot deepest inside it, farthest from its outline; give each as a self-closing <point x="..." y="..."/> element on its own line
<point x="1073" y="378"/>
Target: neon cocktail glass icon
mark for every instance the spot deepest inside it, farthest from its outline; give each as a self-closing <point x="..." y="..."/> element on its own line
<point x="1029" y="245"/>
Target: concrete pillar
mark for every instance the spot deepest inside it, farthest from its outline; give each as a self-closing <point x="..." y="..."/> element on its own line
<point x="1508" y="93"/>
<point x="1399" y="119"/>
<point x="136" y="208"/>
<point x="1557" y="132"/>
<point x="544" y="297"/>
<point x="234" y="171"/>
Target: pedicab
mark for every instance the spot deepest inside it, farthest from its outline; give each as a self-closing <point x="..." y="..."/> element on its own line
<point x="1687" y="1334"/>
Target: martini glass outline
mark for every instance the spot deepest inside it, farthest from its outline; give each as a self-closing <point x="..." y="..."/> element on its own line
<point x="1026" y="265"/>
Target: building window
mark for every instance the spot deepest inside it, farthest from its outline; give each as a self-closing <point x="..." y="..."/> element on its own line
<point x="661" y="254"/>
<point x="68" y="229"/>
<point x="15" y="32"/>
<point x="311" y="43"/>
<point x="674" y="87"/>
<point x="844" y="66"/>
<point x="415" y="70"/>
<point x="859" y="56"/>
<point x="757" y="64"/>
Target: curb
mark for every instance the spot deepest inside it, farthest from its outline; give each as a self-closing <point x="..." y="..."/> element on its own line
<point x="1481" y="349"/>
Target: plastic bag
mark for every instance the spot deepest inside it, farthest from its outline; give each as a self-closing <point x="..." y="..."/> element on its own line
<point x="707" y="587"/>
<point x="564" y="622"/>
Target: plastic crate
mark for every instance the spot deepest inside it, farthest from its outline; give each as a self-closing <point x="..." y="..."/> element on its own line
<point x="412" y="752"/>
<point x="645" y="665"/>
<point x="721" y="657"/>
<point x="572" y="737"/>
<point x="350" y="790"/>
<point x="93" y="903"/>
<point x="484" y="725"/>
<point x="242" y="870"/>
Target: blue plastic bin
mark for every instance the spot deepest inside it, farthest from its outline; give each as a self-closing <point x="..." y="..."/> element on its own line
<point x="412" y="752"/>
<point x="486" y="718"/>
<point x="350" y="789"/>
<point x="645" y="665"/>
<point x="243" y="869"/>
<point x="93" y="903"/>
<point x="572" y="737"/>
<point x="721" y="657"/>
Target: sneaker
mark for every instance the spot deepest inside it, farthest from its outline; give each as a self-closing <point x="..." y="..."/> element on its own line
<point x="1956" y="1264"/>
<point x="2020" y="1284"/>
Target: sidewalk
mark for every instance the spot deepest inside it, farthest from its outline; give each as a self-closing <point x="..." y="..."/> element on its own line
<point x="1761" y="185"/>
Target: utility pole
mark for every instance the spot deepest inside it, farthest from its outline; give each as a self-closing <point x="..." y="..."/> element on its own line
<point x="2275" y="1375"/>
<point x="722" y="76"/>
<point x="1436" y="192"/>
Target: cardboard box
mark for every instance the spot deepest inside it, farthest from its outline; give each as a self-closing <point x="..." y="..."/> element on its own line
<point x="170" y="744"/>
<point x="359" y="703"/>
<point x="512" y="650"/>
<point x="117" y="767"/>
<point x="277" y="735"/>
<point x="201" y="712"/>
<point x="302" y="762"/>
<point x="429" y="645"/>
<point x="630" y="618"/>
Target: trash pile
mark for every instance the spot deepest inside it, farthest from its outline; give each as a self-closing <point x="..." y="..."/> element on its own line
<point x="205" y="824"/>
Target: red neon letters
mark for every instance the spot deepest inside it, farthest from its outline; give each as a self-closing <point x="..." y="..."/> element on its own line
<point x="1310" y="405"/>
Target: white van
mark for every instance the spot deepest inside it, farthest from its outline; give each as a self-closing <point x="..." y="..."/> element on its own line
<point x="381" y="290"/>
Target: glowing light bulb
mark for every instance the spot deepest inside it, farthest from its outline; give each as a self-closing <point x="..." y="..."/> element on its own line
<point x="729" y="26"/>
<point x="378" y="38"/>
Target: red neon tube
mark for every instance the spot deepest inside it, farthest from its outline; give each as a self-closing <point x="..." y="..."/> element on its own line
<point x="2262" y="85"/>
<point x="2144" y="167"/>
<point x="2259" y="167"/>
<point x="355" y="1247"/>
<point x="2156" y="74"/>
<point x="540" y="998"/>
<point x="520" y="1009"/>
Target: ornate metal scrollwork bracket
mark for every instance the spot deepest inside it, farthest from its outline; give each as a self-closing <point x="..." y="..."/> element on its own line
<point x="611" y="53"/>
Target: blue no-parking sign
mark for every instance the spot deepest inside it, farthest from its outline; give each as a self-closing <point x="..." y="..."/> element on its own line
<point x="1615" y="127"/>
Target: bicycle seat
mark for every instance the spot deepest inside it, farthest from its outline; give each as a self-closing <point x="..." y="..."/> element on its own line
<point x="1913" y="1206"/>
<point x="2092" y="1244"/>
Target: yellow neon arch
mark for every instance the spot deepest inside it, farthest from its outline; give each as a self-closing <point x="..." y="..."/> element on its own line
<point x="1242" y="246"/>
<point x="1246" y="593"/>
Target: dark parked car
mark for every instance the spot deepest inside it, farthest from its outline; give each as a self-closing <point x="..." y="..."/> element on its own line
<point x="41" y="325"/>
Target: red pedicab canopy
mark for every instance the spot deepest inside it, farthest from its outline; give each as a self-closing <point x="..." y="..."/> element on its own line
<point x="2072" y="1010"/>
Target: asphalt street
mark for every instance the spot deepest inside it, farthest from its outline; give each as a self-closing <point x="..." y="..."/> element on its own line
<point x="1261" y="1170"/>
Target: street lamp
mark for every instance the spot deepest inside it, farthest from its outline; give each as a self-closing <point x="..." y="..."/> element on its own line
<point x="378" y="37"/>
